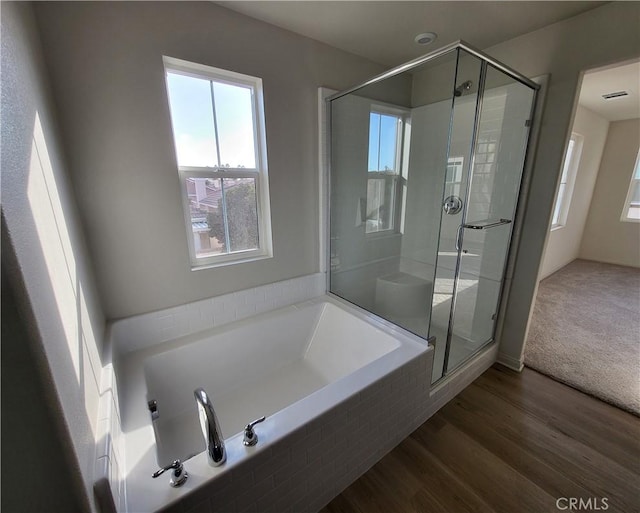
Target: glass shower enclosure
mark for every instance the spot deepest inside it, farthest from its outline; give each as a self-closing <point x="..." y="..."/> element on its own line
<point x="426" y="165"/>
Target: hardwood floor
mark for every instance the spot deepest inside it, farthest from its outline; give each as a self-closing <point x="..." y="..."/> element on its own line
<point x="511" y="443"/>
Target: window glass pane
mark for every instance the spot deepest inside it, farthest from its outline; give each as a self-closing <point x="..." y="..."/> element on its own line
<point x="192" y="120"/>
<point x="242" y="215"/>
<point x="570" y="165"/>
<point x="556" y="210"/>
<point x="567" y="162"/>
<point x="380" y="204"/>
<point x="205" y="196"/>
<point x="234" y="115"/>
<point x="388" y="140"/>
<point x="374" y="139"/>
<point x="635" y="195"/>
<point x="454" y="176"/>
<point x="383" y="142"/>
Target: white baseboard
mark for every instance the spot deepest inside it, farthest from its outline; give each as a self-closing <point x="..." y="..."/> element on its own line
<point x="510" y="362"/>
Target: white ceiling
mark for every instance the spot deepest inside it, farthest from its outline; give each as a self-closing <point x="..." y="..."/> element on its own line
<point x="619" y="78"/>
<point x="384" y="31"/>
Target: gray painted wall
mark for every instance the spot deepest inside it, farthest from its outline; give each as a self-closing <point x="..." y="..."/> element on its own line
<point x="43" y="236"/>
<point x="606" y="237"/>
<point x="563" y="245"/>
<point x="115" y="121"/>
<point x="36" y="448"/>
<point x="563" y="50"/>
<point x="105" y="60"/>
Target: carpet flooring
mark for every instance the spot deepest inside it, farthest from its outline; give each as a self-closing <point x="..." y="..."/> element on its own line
<point x="585" y="331"/>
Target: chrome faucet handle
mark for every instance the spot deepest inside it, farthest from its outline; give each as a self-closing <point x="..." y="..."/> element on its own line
<point x="178" y="476"/>
<point x="250" y="437"/>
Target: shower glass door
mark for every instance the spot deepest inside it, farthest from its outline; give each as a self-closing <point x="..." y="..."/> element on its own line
<point x="452" y="204"/>
<point x="484" y="235"/>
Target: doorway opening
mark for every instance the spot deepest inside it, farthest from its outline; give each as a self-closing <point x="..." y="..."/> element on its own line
<point x="586" y="318"/>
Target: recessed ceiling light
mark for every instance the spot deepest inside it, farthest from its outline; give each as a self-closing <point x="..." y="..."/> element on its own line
<point x="425" y="38"/>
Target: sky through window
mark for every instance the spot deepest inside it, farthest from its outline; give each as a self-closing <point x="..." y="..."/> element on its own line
<point x="198" y="108"/>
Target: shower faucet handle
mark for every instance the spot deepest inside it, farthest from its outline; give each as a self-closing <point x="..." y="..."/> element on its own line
<point x="178" y="476"/>
<point x="250" y="437"/>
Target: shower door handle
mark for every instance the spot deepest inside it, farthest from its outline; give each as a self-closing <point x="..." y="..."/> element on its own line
<point x="487" y="223"/>
<point x="458" y="237"/>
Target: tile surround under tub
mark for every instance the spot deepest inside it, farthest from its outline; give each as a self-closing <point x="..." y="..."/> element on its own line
<point x="308" y="467"/>
<point x="145" y="330"/>
<point x="109" y="455"/>
<point x="141" y="331"/>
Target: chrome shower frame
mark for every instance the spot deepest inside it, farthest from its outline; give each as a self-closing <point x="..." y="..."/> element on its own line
<point x="434" y="55"/>
<point x="515" y="231"/>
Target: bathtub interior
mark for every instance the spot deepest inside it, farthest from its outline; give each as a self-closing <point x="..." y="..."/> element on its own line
<point x="254" y="369"/>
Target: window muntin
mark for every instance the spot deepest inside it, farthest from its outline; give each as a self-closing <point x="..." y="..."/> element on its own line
<point x="384" y="164"/>
<point x="218" y="126"/>
<point x="631" y="210"/>
<point x="567" y="181"/>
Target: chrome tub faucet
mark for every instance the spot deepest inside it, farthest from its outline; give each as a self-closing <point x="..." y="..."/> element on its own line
<point x="216" y="452"/>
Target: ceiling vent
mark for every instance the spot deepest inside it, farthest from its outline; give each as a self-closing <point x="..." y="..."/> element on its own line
<point x="618" y="94"/>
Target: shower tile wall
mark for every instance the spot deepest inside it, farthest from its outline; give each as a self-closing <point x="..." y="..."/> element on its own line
<point x="429" y="136"/>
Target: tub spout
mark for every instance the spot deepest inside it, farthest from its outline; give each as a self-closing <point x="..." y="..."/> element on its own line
<point x="216" y="452"/>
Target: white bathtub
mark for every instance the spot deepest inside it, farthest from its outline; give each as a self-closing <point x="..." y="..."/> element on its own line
<point x="256" y="369"/>
<point x="295" y="366"/>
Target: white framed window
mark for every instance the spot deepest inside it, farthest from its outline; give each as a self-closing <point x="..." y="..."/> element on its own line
<point x="384" y="168"/>
<point x="453" y="180"/>
<point x="218" y="125"/>
<point x="631" y="210"/>
<point x="567" y="181"/>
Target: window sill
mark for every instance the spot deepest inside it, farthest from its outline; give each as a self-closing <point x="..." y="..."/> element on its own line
<point x="212" y="265"/>
<point x="383" y="234"/>
<point x="557" y="227"/>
